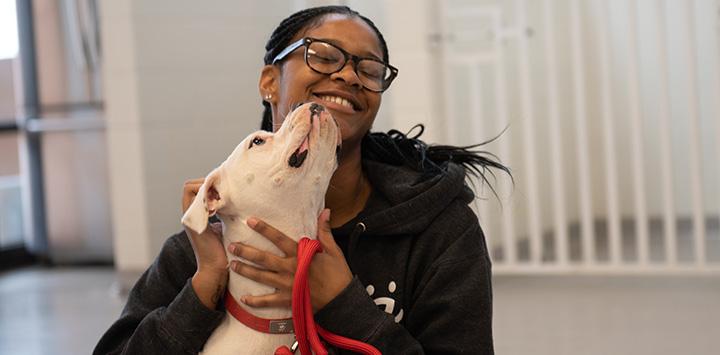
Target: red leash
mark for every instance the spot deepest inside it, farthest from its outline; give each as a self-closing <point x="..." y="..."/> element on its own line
<point x="306" y="331"/>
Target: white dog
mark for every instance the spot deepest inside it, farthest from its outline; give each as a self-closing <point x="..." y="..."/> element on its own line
<point x="280" y="178"/>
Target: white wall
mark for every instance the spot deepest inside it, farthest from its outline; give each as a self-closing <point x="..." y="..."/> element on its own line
<point x="181" y="91"/>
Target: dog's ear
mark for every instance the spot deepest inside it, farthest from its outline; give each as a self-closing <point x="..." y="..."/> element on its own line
<point x="209" y="199"/>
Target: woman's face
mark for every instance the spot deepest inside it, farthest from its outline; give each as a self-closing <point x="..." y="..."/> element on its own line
<point x="294" y="82"/>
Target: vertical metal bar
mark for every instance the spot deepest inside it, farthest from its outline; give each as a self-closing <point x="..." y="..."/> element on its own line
<point x="450" y="111"/>
<point x="477" y="120"/>
<point x="476" y="117"/>
<point x="669" y="222"/>
<point x="35" y="225"/>
<point x="641" y="220"/>
<point x="588" y="246"/>
<point x="528" y="114"/>
<point x="716" y="89"/>
<point x="558" y="177"/>
<point x="611" y="175"/>
<point x="695" y="137"/>
<point x="509" y="248"/>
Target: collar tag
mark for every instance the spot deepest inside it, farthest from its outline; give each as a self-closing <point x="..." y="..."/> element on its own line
<point x="281" y="326"/>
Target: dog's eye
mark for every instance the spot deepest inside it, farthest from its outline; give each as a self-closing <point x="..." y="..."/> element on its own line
<point x="256" y="141"/>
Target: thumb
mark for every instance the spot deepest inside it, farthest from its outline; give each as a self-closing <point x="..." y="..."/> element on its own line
<point x="325" y="237"/>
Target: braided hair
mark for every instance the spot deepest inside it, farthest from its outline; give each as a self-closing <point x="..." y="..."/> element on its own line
<point x="392" y="147"/>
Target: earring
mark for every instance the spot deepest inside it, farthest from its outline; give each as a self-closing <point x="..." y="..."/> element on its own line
<point x="268" y="97"/>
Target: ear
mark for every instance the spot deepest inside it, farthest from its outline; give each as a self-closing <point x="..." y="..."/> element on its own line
<point x="268" y="81"/>
<point x="209" y="199"/>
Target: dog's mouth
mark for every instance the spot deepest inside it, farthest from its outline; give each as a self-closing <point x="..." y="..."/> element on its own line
<point x="297" y="158"/>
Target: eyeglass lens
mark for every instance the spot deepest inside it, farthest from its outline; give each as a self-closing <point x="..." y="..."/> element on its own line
<point x="328" y="59"/>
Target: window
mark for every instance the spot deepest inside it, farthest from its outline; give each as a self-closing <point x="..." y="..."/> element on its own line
<point x="8" y="30"/>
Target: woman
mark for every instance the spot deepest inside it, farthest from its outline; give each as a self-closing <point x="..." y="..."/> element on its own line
<point x="405" y="266"/>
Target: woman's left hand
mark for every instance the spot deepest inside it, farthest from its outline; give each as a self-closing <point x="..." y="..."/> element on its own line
<point x="329" y="272"/>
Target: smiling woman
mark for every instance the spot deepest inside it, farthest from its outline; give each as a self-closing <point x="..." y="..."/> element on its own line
<point x="405" y="265"/>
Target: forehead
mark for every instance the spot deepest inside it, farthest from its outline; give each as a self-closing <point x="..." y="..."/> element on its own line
<point x="350" y="33"/>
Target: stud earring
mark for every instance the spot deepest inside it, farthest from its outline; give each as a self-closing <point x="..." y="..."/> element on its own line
<point x="268" y="97"/>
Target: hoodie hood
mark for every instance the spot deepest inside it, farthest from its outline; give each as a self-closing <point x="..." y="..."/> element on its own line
<point x="410" y="200"/>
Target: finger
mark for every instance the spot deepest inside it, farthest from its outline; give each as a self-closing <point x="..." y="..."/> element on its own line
<point x="263" y="258"/>
<point x="287" y="245"/>
<point x="278" y="280"/>
<point x="325" y="237"/>
<point x="192" y="186"/>
<point x="190" y="189"/>
<point x="214" y="230"/>
<point x="279" y="299"/>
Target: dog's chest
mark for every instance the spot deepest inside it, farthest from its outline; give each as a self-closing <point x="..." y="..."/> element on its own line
<point x="233" y="338"/>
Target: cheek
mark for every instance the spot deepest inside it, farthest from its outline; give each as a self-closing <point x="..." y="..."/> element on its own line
<point x="295" y="81"/>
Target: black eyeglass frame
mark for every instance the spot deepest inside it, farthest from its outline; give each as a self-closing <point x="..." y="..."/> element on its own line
<point x="306" y="41"/>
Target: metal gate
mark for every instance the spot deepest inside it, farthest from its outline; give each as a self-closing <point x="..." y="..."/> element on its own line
<point x="613" y="117"/>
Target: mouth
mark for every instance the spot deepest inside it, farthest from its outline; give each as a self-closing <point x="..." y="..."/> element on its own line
<point x="297" y="158"/>
<point x="343" y="102"/>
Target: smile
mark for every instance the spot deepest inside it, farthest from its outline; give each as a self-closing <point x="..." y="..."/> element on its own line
<point x="338" y="101"/>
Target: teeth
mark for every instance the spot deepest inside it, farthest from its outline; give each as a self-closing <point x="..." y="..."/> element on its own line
<point x="337" y="100"/>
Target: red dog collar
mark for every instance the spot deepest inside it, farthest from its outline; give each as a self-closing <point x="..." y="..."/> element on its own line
<point x="269" y="326"/>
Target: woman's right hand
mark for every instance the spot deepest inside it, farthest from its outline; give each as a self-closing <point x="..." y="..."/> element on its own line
<point x="211" y="277"/>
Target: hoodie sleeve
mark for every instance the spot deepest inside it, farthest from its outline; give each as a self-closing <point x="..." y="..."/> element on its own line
<point x="451" y="311"/>
<point x="163" y="314"/>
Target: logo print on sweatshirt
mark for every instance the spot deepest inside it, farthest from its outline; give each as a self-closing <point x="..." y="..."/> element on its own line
<point x="387" y="302"/>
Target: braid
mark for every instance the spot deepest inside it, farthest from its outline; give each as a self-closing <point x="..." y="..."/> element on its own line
<point x="298" y="22"/>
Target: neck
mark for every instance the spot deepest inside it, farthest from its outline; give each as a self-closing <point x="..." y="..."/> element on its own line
<point x="349" y="189"/>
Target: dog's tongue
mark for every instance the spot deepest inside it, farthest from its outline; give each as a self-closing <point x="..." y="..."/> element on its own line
<point x="303" y="145"/>
<point x="298" y="157"/>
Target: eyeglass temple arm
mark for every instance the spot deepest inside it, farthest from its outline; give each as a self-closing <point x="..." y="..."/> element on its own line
<point x="289" y="49"/>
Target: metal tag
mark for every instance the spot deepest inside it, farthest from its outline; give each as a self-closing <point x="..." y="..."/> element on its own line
<point x="281" y="326"/>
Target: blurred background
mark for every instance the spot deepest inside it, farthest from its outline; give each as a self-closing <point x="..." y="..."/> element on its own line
<point x="608" y="242"/>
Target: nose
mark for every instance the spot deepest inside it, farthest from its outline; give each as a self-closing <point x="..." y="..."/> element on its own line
<point x="348" y="75"/>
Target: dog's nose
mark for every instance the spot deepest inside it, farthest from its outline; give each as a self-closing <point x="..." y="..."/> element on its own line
<point x="316" y="108"/>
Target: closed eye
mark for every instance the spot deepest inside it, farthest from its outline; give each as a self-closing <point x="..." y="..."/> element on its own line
<point x="256" y="141"/>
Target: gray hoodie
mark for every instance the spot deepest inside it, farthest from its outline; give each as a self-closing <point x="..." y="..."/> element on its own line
<point x="422" y="277"/>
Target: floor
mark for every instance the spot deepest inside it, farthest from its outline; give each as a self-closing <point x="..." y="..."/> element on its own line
<point x="65" y="310"/>
<point x="607" y="315"/>
<point x="56" y="311"/>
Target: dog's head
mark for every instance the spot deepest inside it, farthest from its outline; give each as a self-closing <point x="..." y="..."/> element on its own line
<point x="269" y="172"/>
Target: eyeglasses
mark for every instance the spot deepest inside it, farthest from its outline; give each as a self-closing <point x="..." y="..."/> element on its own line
<point x="327" y="58"/>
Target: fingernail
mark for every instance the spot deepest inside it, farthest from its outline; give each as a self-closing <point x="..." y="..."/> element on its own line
<point x="243" y="299"/>
<point x="252" y="222"/>
<point x="232" y="248"/>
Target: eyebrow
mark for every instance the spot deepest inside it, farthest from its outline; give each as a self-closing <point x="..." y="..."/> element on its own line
<point x="364" y="55"/>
